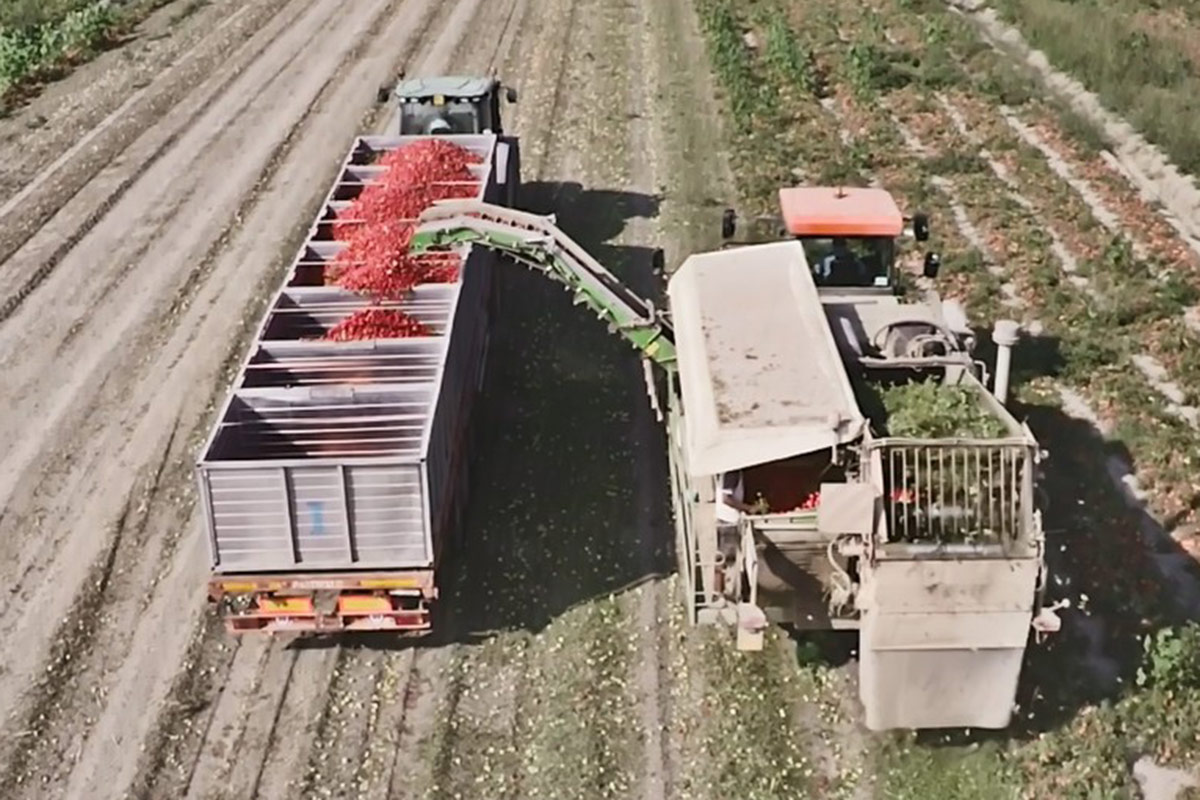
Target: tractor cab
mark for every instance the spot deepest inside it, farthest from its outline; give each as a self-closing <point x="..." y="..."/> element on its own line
<point x="849" y="235"/>
<point x="450" y="105"/>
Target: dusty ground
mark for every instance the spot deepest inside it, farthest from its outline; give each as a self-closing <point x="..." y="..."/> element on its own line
<point x="152" y="198"/>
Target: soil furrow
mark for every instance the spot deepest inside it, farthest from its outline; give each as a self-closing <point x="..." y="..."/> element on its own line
<point x="40" y="252"/>
<point x="305" y="699"/>
<point x="260" y="716"/>
<point x="210" y="770"/>
<point x="69" y="396"/>
<point x="339" y="743"/>
<point x="399" y="688"/>
<point x="87" y="147"/>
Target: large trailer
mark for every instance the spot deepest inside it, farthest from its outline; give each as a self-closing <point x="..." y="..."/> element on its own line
<point x="775" y="368"/>
<point x="335" y="475"/>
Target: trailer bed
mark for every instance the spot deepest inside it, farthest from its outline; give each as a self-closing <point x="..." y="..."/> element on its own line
<point x="331" y="461"/>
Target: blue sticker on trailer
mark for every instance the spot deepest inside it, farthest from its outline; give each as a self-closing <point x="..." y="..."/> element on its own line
<point x="316" y="509"/>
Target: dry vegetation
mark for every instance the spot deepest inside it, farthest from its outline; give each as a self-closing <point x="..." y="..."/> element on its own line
<point x="1143" y="59"/>
<point x="924" y="105"/>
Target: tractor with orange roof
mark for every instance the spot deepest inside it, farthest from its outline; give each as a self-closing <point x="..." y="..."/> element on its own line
<point x="852" y="238"/>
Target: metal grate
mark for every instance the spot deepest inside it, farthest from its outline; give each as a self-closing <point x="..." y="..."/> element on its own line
<point x="957" y="492"/>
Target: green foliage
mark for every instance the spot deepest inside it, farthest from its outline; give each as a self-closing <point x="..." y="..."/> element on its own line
<point x="789" y="59"/>
<point x="1007" y="84"/>
<point x="32" y="43"/>
<point x="873" y="68"/>
<point x="1172" y="659"/>
<point x="957" y="162"/>
<point x="918" y="773"/>
<point x="1086" y="353"/>
<point x="732" y="60"/>
<point x="933" y="410"/>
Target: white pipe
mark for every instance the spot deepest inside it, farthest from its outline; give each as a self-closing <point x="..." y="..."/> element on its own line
<point x="1005" y="335"/>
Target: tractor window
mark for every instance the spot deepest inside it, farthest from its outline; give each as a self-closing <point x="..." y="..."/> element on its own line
<point x="855" y="261"/>
<point x="462" y="118"/>
<point x="420" y="118"/>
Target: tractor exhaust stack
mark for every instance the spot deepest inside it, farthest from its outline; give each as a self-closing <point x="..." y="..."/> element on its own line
<point x="1005" y="335"/>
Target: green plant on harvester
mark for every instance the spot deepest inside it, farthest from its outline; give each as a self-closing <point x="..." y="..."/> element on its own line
<point x="933" y="410"/>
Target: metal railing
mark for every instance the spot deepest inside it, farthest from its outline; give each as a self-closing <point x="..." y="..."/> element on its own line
<point x="956" y="492"/>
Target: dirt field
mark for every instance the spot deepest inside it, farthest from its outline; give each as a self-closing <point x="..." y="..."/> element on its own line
<point x="162" y="193"/>
<point x="152" y="198"/>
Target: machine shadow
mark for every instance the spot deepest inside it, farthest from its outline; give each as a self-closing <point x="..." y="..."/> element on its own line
<point x="567" y="498"/>
<point x="564" y="505"/>
<point x="1098" y="548"/>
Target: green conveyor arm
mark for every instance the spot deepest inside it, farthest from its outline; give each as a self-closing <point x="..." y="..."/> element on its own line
<point x="535" y="241"/>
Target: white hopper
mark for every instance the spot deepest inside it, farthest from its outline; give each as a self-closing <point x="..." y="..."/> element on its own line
<point x="760" y="373"/>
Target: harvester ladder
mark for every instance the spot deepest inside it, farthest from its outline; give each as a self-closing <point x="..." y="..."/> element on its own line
<point x="537" y="242"/>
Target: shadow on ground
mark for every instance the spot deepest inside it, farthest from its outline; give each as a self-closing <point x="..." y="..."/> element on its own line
<point x="554" y="516"/>
<point x="1102" y="555"/>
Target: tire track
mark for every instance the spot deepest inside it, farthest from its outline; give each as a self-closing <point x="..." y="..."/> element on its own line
<point x="68" y="561"/>
<point x="196" y="560"/>
<point x="210" y="770"/>
<point x="337" y="754"/>
<point x="59" y="243"/>
<point x="304" y="698"/>
<point x="405" y="725"/>
<point x="25" y="455"/>
<point x="261" y="715"/>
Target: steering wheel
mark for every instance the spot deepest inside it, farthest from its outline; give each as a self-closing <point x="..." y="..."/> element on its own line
<point x="917" y="344"/>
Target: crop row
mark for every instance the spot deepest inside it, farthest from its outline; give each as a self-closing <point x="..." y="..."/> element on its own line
<point x="1095" y="354"/>
<point x="885" y="64"/>
<point x="40" y="41"/>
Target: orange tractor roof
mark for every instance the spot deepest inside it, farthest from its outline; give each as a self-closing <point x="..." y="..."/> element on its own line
<point x="833" y="211"/>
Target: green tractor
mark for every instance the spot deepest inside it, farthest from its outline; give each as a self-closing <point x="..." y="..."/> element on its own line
<point x="455" y="105"/>
<point x="448" y="105"/>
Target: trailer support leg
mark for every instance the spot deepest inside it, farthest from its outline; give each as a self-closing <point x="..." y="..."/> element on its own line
<point x="751" y="621"/>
